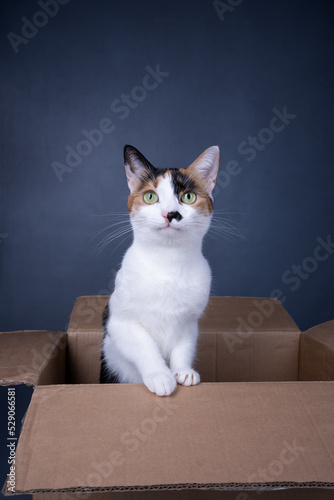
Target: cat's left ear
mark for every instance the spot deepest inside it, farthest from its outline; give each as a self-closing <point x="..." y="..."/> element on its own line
<point x="137" y="168"/>
<point x="205" y="167"/>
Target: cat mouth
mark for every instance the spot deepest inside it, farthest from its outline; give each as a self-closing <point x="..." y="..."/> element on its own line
<point x="168" y="226"/>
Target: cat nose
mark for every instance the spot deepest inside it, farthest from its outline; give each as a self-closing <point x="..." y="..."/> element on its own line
<point x="174" y="215"/>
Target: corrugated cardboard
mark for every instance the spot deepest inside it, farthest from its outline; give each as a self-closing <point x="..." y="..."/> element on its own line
<point x="241" y="339"/>
<point x="190" y="494"/>
<point x="32" y="357"/>
<point x="317" y="353"/>
<point x="85" y="334"/>
<point x="220" y="435"/>
<point x="246" y="339"/>
<point x="249" y="433"/>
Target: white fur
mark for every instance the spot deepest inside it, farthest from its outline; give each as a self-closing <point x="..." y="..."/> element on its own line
<point x="160" y="292"/>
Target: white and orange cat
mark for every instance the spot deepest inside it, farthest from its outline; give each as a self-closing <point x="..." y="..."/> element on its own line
<point x="163" y="285"/>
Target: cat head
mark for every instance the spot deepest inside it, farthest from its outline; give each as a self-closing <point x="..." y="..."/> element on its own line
<point x="171" y="205"/>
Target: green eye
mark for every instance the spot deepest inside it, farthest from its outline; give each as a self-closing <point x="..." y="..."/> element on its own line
<point x="189" y="197"/>
<point x="150" y="197"/>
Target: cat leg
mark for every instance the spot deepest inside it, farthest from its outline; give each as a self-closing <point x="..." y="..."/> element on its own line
<point x="135" y="345"/>
<point x="182" y="356"/>
<point x="117" y="366"/>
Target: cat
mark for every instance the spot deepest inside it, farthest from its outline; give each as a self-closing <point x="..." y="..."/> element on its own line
<point x="163" y="285"/>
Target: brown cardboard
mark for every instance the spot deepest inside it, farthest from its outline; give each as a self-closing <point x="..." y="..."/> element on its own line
<point x="85" y="334"/>
<point x="190" y="494"/>
<point x="317" y="353"/>
<point x="219" y="440"/>
<point x="246" y="339"/>
<point x="32" y="357"/>
<point x="241" y="339"/>
<point x="218" y="435"/>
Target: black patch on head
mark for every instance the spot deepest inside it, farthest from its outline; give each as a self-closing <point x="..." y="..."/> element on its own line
<point x="131" y="153"/>
<point x="182" y="182"/>
<point x="149" y="172"/>
<point x="151" y="175"/>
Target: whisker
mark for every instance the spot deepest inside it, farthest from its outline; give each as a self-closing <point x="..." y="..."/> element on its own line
<point x="224" y="211"/>
<point x="224" y="235"/>
<point x="118" y="233"/>
<point x="228" y="228"/>
<point x="108" y="227"/>
<point x="122" y="241"/>
<point x="225" y="231"/>
<point x="119" y="227"/>
<point x="226" y="219"/>
<point x="124" y="232"/>
<point x="111" y="214"/>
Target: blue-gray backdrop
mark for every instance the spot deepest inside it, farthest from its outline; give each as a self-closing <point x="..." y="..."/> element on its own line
<point x="81" y="78"/>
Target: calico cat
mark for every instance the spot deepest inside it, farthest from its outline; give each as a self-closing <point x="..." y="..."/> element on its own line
<point x="163" y="285"/>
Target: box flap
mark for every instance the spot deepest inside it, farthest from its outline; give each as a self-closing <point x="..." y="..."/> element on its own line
<point x="241" y="339"/>
<point x="247" y="339"/>
<point x="32" y="357"/>
<point x="122" y="437"/>
<point x="263" y="357"/>
<point x="85" y="334"/>
<point x="317" y="353"/>
<point x="246" y="314"/>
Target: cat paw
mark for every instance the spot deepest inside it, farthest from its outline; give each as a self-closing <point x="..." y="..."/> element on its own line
<point x="161" y="383"/>
<point x="187" y="377"/>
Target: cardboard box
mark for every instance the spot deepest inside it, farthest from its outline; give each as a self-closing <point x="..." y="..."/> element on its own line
<point x="241" y="340"/>
<point x="260" y="423"/>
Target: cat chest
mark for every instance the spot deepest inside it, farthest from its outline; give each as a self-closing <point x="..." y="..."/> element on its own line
<point x="169" y="290"/>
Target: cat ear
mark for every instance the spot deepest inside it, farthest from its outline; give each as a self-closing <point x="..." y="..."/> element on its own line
<point x="137" y="168"/>
<point x="206" y="167"/>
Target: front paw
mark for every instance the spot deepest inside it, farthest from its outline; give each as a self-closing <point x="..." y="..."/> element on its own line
<point x="161" y="383"/>
<point x="187" y="377"/>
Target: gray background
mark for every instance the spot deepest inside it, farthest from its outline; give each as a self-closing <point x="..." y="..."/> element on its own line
<point x="225" y="76"/>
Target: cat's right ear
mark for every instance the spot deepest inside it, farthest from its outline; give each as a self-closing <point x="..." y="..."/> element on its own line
<point x="137" y="167"/>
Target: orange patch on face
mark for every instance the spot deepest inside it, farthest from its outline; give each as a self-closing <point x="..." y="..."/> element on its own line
<point x="203" y="203"/>
<point x="191" y="182"/>
<point x="135" y="200"/>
